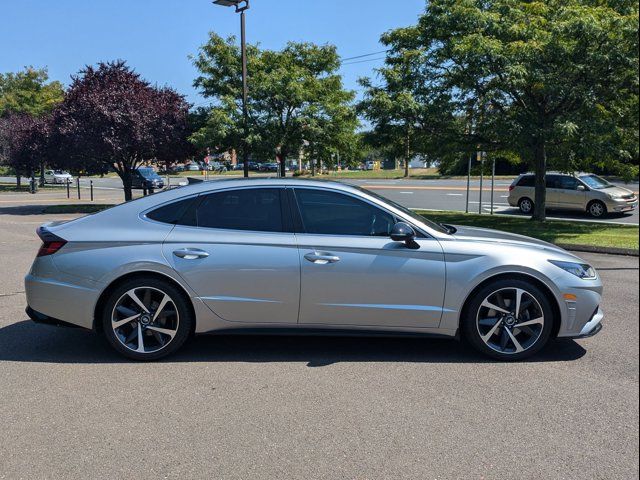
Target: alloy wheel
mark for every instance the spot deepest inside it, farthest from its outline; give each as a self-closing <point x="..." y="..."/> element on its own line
<point x="145" y="320"/>
<point x="526" y="206"/>
<point x="597" y="209"/>
<point x="510" y="321"/>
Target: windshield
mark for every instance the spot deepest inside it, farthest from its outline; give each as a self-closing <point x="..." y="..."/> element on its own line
<point x="419" y="218"/>
<point x="595" y="182"/>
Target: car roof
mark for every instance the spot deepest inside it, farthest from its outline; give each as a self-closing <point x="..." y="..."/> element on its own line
<point x="204" y="186"/>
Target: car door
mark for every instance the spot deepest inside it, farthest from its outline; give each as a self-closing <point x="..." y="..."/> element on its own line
<point x="570" y="196"/>
<point x="353" y="274"/>
<point x="234" y="249"/>
<point x="553" y="191"/>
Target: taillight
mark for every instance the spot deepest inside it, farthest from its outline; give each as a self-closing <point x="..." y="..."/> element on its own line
<point x="51" y="243"/>
<point x="511" y="187"/>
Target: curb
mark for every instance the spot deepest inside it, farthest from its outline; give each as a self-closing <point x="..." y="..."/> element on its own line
<point x="630" y="252"/>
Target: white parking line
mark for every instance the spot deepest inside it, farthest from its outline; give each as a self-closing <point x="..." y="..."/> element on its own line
<point x="455" y="194"/>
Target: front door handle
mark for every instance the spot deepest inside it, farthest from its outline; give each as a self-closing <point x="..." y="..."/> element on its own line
<point x="190" y="253"/>
<point x="321" y="258"/>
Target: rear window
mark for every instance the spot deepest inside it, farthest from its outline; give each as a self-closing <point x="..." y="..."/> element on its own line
<point x="254" y="209"/>
<point x="173" y="213"/>
<point x="527" y="181"/>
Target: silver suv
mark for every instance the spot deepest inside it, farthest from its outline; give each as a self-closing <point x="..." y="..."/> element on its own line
<point x="584" y="192"/>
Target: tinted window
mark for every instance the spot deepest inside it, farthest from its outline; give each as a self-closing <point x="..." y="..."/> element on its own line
<point x="567" y="183"/>
<point x="172" y="213"/>
<point x="527" y="181"/>
<point x="554" y="181"/>
<point x="331" y="213"/>
<point x="256" y="209"/>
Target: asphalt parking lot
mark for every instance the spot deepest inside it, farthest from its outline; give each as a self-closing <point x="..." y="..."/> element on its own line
<point x="325" y="408"/>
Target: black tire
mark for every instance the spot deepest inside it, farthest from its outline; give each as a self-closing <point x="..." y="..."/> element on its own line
<point x="471" y="329"/>
<point x="597" y="209"/>
<point x="526" y="205"/>
<point x="181" y="312"/>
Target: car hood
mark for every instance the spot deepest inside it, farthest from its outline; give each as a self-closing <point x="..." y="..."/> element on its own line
<point x="475" y="234"/>
<point x="617" y="191"/>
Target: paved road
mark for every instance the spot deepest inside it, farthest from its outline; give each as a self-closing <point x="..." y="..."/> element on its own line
<point x="244" y="408"/>
<point x="421" y="194"/>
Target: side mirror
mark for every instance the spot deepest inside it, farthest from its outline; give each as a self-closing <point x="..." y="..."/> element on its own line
<point x="403" y="232"/>
<point x="581" y="188"/>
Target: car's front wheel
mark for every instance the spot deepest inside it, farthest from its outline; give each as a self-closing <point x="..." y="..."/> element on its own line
<point x="508" y="320"/>
<point x="146" y="318"/>
<point x="597" y="209"/>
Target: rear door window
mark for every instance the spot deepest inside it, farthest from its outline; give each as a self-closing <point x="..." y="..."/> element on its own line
<point x="254" y="209"/>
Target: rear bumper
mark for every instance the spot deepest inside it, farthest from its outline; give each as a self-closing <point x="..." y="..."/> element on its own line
<point x="38" y="317"/>
<point x="54" y="300"/>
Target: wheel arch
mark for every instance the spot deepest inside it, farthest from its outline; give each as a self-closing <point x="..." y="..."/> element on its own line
<point x="97" y="318"/>
<point x="557" y="313"/>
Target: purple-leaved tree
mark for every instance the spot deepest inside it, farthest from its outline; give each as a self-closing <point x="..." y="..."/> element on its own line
<point x="111" y="116"/>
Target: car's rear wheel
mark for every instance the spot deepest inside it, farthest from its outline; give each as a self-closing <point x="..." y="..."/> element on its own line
<point x="597" y="209"/>
<point x="525" y="205"/>
<point x="508" y="320"/>
<point x="146" y="318"/>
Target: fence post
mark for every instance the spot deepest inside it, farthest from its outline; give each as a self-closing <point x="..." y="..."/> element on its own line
<point x="68" y="188"/>
<point x="91" y="189"/>
<point x="78" y="186"/>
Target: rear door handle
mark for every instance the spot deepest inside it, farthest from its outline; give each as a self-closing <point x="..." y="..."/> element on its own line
<point x="321" y="258"/>
<point x="190" y="253"/>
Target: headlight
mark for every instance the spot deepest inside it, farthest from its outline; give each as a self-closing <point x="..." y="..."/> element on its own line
<point x="613" y="196"/>
<point x="580" y="270"/>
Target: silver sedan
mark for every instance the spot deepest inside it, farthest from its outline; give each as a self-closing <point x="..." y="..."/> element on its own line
<point x="302" y="257"/>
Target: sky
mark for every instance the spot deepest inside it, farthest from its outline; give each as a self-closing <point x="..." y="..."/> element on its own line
<point x="156" y="36"/>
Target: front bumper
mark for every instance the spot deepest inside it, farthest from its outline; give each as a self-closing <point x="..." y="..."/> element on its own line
<point x="622" y="205"/>
<point x="592" y="327"/>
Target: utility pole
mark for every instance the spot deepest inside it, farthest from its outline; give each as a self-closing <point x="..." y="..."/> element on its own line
<point x="241" y="7"/>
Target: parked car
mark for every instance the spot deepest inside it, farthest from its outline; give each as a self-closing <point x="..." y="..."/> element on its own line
<point x="217" y="167"/>
<point x="147" y="178"/>
<point x="57" y="176"/>
<point x="305" y="256"/>
<point x="584" y="192"/>
<point x="192" y="167"/>
<point x="370" y="165"/>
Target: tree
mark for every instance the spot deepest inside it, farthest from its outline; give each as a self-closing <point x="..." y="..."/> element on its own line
<point x="27" y="93"/>
<point x="542" y="76"/>
<point x="409" y="109"/>
<point x="24" y="140"/>
<point x="111" y="116"/>
<point x="292" y="93"/>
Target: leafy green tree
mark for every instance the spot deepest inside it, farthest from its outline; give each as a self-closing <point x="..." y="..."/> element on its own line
<point x="410" y="110"/>
<point x="29" y="91"/>
<point x="542" y="76"/>
<point x="293" y="93"/>
<point x="24" y="94"/>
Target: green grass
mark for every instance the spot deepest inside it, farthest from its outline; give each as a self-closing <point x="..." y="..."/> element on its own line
<point x="77" y="208"/>
<point x="553" y="231"/>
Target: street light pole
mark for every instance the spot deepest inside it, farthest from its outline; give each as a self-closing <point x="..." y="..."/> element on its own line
<point x="241" y="7"/>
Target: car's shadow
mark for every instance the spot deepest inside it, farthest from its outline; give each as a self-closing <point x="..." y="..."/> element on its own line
<point x="25" y="341"/>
